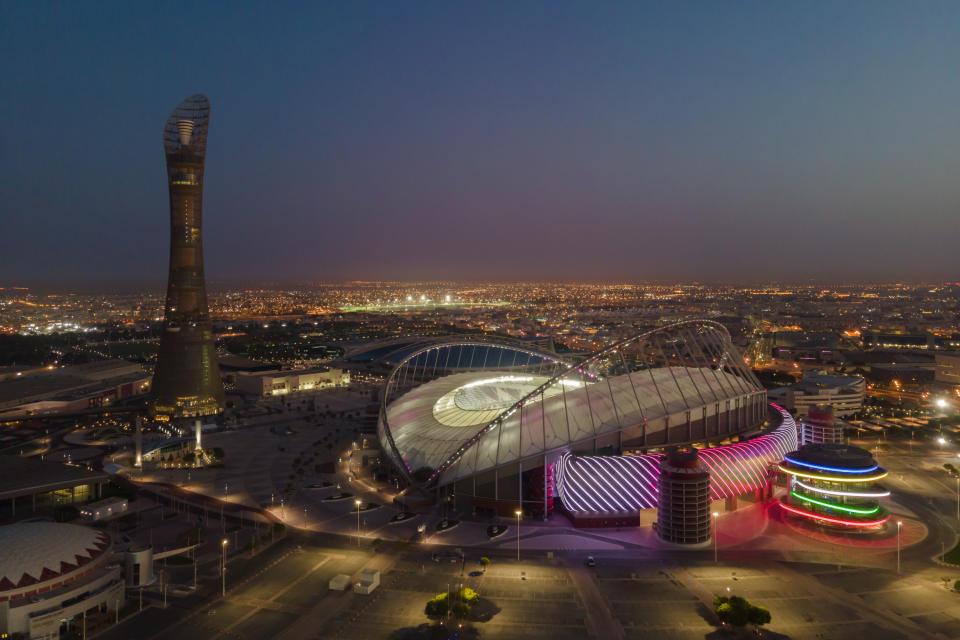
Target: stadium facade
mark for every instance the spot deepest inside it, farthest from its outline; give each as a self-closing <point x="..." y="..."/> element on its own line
<point x="502" y="424"/>
<point x="187" y="378"/>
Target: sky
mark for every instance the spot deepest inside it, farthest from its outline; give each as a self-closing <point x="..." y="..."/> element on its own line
<point x="501" y="140"/>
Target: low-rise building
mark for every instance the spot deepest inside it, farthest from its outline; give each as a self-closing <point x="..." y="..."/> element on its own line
<point x="104" y="509"/>
<point x="844" y="393"/>
<point x="70" y="389"/>
<point x="31" y="484"/>
<point x="277" y="383"/>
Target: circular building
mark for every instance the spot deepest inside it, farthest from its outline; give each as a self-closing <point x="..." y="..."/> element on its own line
<point x="835" y="485"/>
<point x="820" y="425"/>
<point x="52" y="573"/>
<point x="683" y="510"/>
<point x="498" y="422"/>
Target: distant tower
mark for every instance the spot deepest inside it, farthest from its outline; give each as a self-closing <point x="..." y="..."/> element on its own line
<point x="683" y="508"/>
<point x="187" y="378"/>
<point x="820" y="426"/>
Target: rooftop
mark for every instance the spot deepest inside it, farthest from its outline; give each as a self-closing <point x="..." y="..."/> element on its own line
<point x="23" y="476"/>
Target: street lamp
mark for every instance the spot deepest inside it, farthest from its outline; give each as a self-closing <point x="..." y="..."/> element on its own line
<point x="223" y="568"/>
<point x="518" y="513"/>
<point x="716" y="531"/>
<point x="899" y="524"/>
<point x="358" y="503"/>
<point x="958" y="493"/>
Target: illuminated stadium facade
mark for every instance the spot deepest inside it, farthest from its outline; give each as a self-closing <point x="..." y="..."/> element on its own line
<point x="501" y="424"/>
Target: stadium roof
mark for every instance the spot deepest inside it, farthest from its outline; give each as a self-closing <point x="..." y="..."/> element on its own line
<point x="451" y="424"/>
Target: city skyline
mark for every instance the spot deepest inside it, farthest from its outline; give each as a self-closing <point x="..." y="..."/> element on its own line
<point x="425" y="142"/>
<point x="511" y="320"/>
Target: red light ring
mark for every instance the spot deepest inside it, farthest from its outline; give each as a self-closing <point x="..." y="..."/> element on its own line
<point x="849" y="523"/>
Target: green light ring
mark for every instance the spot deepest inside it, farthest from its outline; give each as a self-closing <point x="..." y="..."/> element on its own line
<point x="828" y="505"/>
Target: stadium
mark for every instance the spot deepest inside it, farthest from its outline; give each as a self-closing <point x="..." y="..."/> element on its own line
<point x="503" y="425"/>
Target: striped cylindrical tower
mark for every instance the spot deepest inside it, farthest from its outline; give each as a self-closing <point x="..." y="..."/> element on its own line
<point x="820" y="426"/>
<point x="683" y="510"/>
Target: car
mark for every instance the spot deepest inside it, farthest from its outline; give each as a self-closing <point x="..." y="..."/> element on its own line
<point x="591" y="561"/>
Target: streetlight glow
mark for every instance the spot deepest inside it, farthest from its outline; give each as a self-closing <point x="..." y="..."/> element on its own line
<point x="518" y="513"/>
<point x="716" y="528"/>
<point x="899" y="524"/>
<point x="358" y="503"/>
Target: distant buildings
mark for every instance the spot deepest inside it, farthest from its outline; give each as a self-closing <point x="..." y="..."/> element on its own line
<point x="187" y="380"/>
<point x="48" y="391"/>
<point x="948" y="368"/>
<point x="278" y="383"/>
<point x="844" y="393"/>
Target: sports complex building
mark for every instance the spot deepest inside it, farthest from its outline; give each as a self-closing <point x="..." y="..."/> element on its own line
<point x="502" y="425"/>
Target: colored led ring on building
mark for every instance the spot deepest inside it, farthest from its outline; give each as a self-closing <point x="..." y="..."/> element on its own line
<point x="834" y="469"/>
<point x="838" y="507"/>
<point x="831" y="478"/>
<point x="850" y="523"/>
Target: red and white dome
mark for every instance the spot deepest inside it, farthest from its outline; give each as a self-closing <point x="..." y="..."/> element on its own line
<point x="36" y="557"/>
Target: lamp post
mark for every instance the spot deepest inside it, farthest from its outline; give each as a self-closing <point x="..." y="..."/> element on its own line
<point x="223" y="568"/>
<point x="716" y="531"/>
<point x="358" y="503"/>
<point x="518" y="513"/>
<point x="899" y="523"/>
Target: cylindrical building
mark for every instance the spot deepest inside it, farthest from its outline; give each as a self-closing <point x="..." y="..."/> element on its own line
<point x="820" y="426"/>
<point x="683" y="510"/>
<point x="187" y="379"/>
<point x="835" y="485"/>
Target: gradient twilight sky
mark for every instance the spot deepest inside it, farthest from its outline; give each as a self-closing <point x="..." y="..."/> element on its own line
<point x="487" y="140"/>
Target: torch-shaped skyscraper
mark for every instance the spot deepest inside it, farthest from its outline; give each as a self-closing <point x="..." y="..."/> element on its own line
<point x="187" y="379"/>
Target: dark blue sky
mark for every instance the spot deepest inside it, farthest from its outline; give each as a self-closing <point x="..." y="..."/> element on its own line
<point x="506" y="140"/>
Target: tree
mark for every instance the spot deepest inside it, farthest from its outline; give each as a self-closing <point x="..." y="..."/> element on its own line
<point x="956" y="585"/>
<point x="484" y="562"/>
<point x="456" y="602"/>
<point x="738" y="612"/>
<point x="758" y="616"/>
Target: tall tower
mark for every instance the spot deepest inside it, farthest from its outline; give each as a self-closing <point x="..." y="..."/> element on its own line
<point x="187" y="379"/>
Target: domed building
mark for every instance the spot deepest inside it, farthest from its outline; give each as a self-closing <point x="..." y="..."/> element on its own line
<point x="51" y="573"/>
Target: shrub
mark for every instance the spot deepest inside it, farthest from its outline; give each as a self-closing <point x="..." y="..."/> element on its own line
<point x="437" y="606"/>
<point x="738" y="612"/>
<point x="956" y="585"/>
<point x="758" y="616"/>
